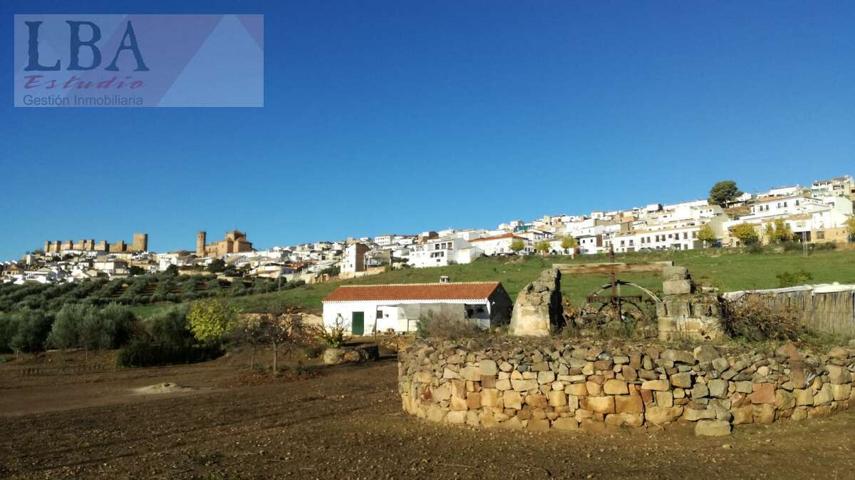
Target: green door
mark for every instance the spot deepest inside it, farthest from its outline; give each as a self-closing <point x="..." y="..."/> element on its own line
<point x="357" y="324"/>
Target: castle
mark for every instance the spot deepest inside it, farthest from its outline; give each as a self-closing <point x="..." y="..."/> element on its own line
<point x="139" y="244"/>
<point x="234" y="242"/>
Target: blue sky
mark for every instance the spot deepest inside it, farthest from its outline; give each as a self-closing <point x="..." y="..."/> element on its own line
<point x="403" y="116"/>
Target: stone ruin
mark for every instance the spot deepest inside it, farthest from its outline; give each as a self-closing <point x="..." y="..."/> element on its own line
<point x="538" y="306"/>
<point x="685" y="312"/>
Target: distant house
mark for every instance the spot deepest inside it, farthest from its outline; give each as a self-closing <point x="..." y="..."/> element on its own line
<point x="365" y="309"/>
<point x="501" y="244"/>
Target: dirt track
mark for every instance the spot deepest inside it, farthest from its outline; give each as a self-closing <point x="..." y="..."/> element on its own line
<point x="347" y="423"/>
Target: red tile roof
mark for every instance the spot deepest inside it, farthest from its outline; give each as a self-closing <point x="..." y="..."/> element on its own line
<point x="414" y="291"/>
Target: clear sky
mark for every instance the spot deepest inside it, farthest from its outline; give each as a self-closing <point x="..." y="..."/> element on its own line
<point x="403" y="116"/>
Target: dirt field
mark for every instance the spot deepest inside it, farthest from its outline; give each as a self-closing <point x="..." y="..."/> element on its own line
<point x="347" y="423"/>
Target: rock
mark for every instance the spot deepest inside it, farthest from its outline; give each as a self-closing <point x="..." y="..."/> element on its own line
<point x="536" y="401"/>
<point x="694" y="415"/>
<point x="545" y="377"/>
<point x="838" y="375"/>
<point x="512" y="399"/>
<point x="472" y="374"/>
<point x="742" y="415"/>
<point x="661" y="415"/>
<point x="490" y="398"/>
<point x="565" y="423"/>
<point x="615" y="387"/>
<point x="682" y="380"/>
<point x="577" y="389"/>
<point x="700" y="391"/>
<point x="506" y="367"/>
<point x="629" y="373"/>
<point x="524" y="385"/>
<point x="488" y="367"/>
<point x="676" y="287"/>
<point x="538" y="425"/>
<point x="678" y="356"/>
<point x="664" y="399"/>
<point x="705" y="353"/>
<point x="712" y="428"/>
<point x="503" y="384"/>
<point x="744" y="387"/>
<point x="720" y="364"/>
<point x="441" y="392"/>
<point x="762" y="393"/>
<point x="599" y="404"/>
<point x="629" y="404"/>
<point x="557" y="398"/>
<point x="824" y="395"/>
<point x="675" y="273"/>
<point x="764" y="413"/>
<point x="656" y="385"/>
<point x="784" y="400"/>
<point x="804" y="397"/>
<point x="717" y="388"/>
<point x="841" y="392"/>
<point x="839" y="353"/>
<point x="456" y="417"/>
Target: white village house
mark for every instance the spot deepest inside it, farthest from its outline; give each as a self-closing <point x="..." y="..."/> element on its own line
<point x="366" y="309"/>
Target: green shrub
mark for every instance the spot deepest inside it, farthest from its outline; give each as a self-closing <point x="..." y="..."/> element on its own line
<point x="144" y="352"/>
<point x="85" y="326"/>
<point x="790" y="279"/>
<point x="31" y="332"/>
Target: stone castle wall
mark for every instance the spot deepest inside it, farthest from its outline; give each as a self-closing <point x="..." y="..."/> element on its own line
<point x="542" y="385"/>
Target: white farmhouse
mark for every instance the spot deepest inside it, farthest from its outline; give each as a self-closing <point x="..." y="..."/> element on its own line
<point x="368" y="309"/>
<point x="442" y="252"/>
<point x="501" y="244"/>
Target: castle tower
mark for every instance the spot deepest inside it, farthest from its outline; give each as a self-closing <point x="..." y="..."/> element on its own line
<point x="47" y="246"/>
<point x="140" y="242"/>
<point x="200" y="244"/>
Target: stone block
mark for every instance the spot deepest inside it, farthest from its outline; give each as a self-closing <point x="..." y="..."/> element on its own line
<point x="656" y="415"/>
<point x="682" y="380"/>
<point x="693" y="415"/>
<point x="488" y="367"/>
<point x="576" y="389"/>
<point x="512" y="399"/>
<point x="664" y="399"/>
<point x="742" y="415"/>
<point x="544" y="377"/>
<point x="599" y="404"/>
<point x="676" y="287"/>
<point x="629" y="404"/>
<point x="524" y="385"/>
<point x="457" y="417"/>
<point x="712" y="428"/>
<point x="565" y="424"/>
<point x="764" y="413"/>
<point x="762" y="393"/>
<point x="717" y="388"/>
<point x="804" y="397"/>
<point x="841" y="392"/>
<point x="838" y="375"/>
<point x="557" y="398"/>
<point x="615" y="387"/>
<point x="656" y="385"/>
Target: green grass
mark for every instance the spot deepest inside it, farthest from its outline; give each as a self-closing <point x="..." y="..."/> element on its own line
<point x="725" y="269"/>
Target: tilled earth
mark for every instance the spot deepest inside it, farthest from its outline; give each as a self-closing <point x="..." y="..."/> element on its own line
<point x="347" y="423"/>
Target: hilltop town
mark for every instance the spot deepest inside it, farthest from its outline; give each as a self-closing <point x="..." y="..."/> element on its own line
<point x="819" y="214"/>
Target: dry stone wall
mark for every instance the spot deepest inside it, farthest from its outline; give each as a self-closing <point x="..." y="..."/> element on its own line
<point x="544" y="385"/>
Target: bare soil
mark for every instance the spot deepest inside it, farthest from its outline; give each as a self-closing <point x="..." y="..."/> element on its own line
<point x="346" y="422"/>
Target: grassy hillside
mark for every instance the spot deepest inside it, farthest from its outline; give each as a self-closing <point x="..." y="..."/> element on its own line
<point x="725" y="269"/>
